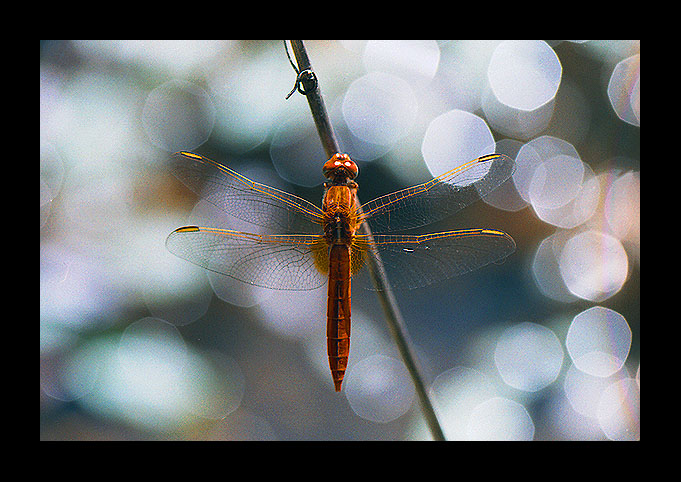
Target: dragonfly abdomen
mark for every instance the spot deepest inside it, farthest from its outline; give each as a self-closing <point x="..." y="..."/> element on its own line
<point x="338" y="312"/>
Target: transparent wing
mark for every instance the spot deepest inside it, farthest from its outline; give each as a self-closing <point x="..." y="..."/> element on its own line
<point x="242" y="198"/>
<point x="419" y="260"/>
<point x="438" y="198"/>
<point x="285" y="262"/>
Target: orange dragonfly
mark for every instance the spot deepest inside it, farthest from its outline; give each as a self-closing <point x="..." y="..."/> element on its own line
<point x="319" y="245"/>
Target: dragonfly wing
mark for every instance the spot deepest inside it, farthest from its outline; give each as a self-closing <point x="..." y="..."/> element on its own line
<point x="242" y="198"/>
<point x="286" y="262"/>
<point x="412" y="261"/>
<point x="438" y="198"/>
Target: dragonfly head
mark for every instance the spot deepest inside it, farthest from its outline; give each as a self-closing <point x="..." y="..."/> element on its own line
<point x="340" y="167"/>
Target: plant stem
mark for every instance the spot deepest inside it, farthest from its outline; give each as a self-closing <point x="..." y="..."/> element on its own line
<point x="314" y="98"/>
<point x="392" y="313"/>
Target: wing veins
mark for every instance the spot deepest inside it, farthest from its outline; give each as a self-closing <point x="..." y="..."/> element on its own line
<point x="440" y="197"/>
<point x="285" y="261"/>
<point x="243" y="198"/>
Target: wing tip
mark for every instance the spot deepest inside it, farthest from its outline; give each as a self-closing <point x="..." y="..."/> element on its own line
<point x="501" y="162"/>
<point x="187" y="154"/>
<point x="489" y="157"/>
<point x="500" y="234"/>
<point x="187" y="229"/>
<point x="493" y="157"/>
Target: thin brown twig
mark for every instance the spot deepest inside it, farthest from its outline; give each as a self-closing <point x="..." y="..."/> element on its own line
<point x="308" y="84"/>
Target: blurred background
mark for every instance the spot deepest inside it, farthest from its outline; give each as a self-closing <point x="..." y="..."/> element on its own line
<point x="136" y="344"/>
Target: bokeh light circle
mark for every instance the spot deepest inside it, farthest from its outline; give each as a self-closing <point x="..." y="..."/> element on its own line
<point x="242" y="92"/>
<point x="528" y="356"/>
<point x="513" y="122"/>
<point x="598" y="341"/>
<point x="65" y="375"/>
<point x="151" y="378"/>
<point x="456" y="393"/>
<point x="619" y="410"/>
<point x="608" y="406"/>
<point x="454" y="138"/>
<point x="500" y="419"/>
<point x="531" y="156"/>
<point x="624" y="90"/>
<point x="296" y="152"/>
<point x="378" y="388"/>
<point x="379" y="108"/>
<point x="178" y="115"/>
<point x="218" y="385"/>
<point x="546" y="270"/>
<point x="579" y="208"/>
<point x="411" y="60"/>
<point x="152" y="347"/>
<point x="531" y="64"/>
<point x="556" y="181"/>
<point x="594" y="265"/>
<point x="622" y="207"/>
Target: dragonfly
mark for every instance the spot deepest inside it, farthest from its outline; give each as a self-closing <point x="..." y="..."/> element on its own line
<point x="315" y="245"/>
